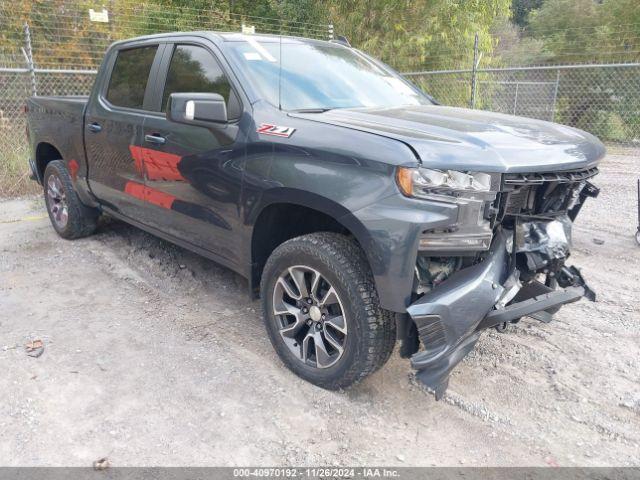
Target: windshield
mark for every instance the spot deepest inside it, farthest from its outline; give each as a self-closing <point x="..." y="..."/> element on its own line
<point x="320" y="76"/>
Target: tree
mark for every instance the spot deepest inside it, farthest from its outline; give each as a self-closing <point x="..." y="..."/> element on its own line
<point x="521" y="9"/>
<point x="423" y="34"/>
<point x="602" y="100"/>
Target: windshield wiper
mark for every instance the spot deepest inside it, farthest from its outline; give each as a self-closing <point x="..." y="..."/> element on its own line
<point x="312" y="110"/>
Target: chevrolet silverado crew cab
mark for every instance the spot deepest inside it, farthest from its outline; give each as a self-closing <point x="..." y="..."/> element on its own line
<point x="359" y="209"/>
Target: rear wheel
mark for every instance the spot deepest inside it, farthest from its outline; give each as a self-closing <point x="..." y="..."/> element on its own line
<point x="322" y="312"/>
<point x="69" y="216"/>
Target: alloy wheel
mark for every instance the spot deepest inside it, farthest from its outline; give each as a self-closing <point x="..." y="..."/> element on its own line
<point x="311" y="319"/>
<point x="57" y="201"/>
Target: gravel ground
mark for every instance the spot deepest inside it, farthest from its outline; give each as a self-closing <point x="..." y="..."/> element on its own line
<point x="155" y="356"/>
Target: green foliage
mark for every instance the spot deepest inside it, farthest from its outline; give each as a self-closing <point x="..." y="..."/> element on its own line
<point x="425" y="34"/>
<point x="579" y="31"/>
<point x="588" y="31"/>
<point x="521" y="9"/>
<point x="410" y="35"/>
<point x="605" y="125"/>
<point x="563" y="43"/>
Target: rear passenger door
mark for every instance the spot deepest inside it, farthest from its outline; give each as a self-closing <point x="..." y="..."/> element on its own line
<point x="193" y="173"/>
<point x="113" y="127"/>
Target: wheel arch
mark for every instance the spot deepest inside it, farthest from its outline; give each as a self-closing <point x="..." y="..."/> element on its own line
<point x="45" y="153"/>
<point x="288" y="213"/>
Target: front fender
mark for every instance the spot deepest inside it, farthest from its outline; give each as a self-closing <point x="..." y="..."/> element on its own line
<point x="352" y="180"/>
<point x="388" y="240"/>
<point x="296" y="196"/>
<point x="389" y="231"/>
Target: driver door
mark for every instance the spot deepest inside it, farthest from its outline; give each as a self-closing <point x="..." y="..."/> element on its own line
<point x="193" y="173"/>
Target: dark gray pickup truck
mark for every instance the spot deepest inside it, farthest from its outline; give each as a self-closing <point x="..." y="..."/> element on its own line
<point x="359" y="209"/>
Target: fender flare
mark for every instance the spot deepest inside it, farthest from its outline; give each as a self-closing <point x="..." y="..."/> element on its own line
<point x="313" y="201"/>
<point x="73" y="164"/>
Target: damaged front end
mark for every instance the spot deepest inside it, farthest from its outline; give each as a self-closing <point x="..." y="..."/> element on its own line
<point x="459" y="293"/>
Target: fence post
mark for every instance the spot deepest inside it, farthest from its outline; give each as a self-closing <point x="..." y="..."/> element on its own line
<point x="474" y="72"/>
<point x="555" y="96"/>
<point x="29" y="53"/>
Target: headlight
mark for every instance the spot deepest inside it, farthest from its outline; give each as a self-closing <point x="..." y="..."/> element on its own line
<point x="424" y="182"/>
<point x="470" y="191"/>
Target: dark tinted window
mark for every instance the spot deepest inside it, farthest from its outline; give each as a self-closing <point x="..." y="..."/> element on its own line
<point x="129" y="76"/>
<point x="193" y="69"/>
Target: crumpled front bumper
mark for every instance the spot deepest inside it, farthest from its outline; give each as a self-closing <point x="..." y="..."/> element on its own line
<point x="451" y="317"/>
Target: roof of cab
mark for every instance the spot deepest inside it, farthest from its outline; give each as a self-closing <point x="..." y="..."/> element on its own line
<point x="218" y="37"/>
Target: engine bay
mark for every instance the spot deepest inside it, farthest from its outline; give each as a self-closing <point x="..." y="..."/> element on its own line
<point x="539" y="210"/>
<point x="536" y="213"/>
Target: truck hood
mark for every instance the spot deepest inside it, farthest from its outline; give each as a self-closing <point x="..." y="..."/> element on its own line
<point x="473" y="140"/>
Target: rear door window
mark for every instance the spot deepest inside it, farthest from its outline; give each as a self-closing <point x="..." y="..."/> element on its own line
<point x="130" y="75"/>
<point x="193" y="69"/>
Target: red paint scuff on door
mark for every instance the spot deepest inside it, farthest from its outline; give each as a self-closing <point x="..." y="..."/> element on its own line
<point x="158" y="165"/>
<point x="149" y="194"/>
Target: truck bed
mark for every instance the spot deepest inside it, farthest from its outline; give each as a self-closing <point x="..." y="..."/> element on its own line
<point x="58" y="121"/>
<point x="73" y="104"/>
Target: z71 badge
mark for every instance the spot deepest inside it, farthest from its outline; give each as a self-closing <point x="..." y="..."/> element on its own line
<point x="277" y="130"/>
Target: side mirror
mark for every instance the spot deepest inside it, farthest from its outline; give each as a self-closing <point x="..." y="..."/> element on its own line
<point x="200" y="109"/>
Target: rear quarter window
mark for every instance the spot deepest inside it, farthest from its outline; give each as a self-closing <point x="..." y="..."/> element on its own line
<point x="129" y="76"/>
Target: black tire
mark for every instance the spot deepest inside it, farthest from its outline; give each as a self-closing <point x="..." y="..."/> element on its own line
<point x="371" y="329"/>
<point x="81" y="220"/>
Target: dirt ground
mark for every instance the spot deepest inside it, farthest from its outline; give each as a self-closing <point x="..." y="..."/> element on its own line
<point x="155" y="356"/>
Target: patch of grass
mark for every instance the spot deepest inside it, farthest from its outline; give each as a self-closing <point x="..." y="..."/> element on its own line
<point x="14" y="165"/>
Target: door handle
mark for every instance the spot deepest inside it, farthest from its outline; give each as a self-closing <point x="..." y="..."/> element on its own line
<point x="157" y="139"/>
<point x="94" y="127"/>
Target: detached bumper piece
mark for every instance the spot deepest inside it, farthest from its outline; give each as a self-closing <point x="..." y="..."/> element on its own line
<point x="535" y="298"/>
<point x="447" y="316"/>
<point x="451" y="317"/>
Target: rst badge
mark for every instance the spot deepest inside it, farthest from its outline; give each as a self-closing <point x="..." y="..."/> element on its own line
<point x="277" y="130"/>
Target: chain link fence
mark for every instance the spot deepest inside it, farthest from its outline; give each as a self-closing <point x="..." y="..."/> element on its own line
<point x="16" y="85"/>
<point x="13" y="145"/>
<point x="602" y="99"/>
<point x="54" y="48"/>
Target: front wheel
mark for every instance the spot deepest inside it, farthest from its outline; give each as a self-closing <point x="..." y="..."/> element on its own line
<point x="322" y="312"/>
